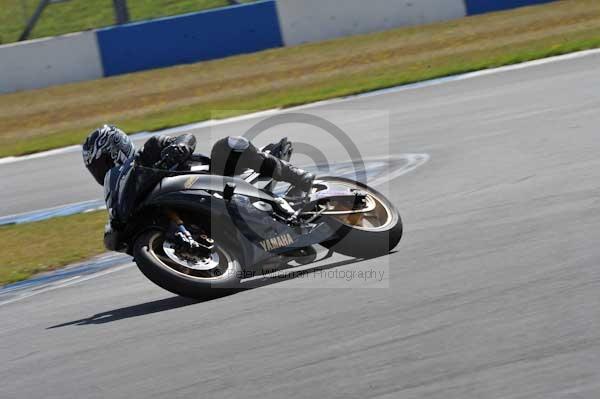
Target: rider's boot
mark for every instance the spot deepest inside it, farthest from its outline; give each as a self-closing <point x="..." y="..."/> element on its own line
<point x="300" y="180"/>
<point x="282" y="149"/>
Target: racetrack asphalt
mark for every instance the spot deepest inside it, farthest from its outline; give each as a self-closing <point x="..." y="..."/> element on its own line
<point x="494" y="291"/>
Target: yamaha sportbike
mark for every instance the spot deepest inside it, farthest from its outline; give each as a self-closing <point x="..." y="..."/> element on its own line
<point x="243" y="223"/>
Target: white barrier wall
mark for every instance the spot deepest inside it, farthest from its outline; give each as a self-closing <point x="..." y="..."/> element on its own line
<point x="45" y="62"/>
<point x="304" y="21"/>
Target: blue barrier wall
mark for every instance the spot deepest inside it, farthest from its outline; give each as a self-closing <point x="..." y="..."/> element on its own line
<point x="483" y="6"/>
<point x="189" y="38"/>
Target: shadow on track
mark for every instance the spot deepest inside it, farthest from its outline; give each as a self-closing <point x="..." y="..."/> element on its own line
<point x="175" y="302"/>
<point x="131" y="311"/>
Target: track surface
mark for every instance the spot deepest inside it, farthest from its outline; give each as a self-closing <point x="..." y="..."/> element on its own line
<point x="493" y="293"/>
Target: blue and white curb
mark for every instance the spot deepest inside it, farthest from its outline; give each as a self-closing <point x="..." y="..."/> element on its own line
<point x="76" y="273"/>
<point x="44" y="214"/>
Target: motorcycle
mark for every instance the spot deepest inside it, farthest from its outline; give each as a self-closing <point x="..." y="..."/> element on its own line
<point x="244" y="223"/>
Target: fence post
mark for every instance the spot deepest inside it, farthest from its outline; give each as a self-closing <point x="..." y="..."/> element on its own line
<point x="33" y="20"/>
<point x="121" y="11"/>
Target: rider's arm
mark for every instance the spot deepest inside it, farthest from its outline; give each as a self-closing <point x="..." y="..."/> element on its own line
<point x="161" y="148"/>
<point x="149" y="154"/>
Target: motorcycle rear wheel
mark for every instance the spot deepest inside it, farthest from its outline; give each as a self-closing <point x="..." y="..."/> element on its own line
<point x="219" y="276"/>
<point x="366" y="235"/>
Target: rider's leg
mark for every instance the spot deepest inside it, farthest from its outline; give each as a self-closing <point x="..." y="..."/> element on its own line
<point x="282" y="149"/>
<point x="232" y="155"/>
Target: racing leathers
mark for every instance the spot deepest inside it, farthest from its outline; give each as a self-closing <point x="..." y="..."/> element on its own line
<point x="230" y="156"/>
<point x="233" y="155"/>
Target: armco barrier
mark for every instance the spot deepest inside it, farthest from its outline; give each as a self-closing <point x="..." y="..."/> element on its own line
<point x="483" y="6"/>
<point x="44" y="62"/>
<point x="189" y="38"/>
<point x="304" y="21"/>
<point x="215" y="34"/>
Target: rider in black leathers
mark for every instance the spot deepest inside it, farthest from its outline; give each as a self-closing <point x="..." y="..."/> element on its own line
<point x="108" y="147"/>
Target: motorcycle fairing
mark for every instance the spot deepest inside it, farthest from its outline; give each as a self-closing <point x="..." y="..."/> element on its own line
<point x="256" y="233"/>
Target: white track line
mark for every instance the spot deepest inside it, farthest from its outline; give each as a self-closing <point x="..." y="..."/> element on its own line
<point x="414" y="161"/>
<point x="397" y="89"/>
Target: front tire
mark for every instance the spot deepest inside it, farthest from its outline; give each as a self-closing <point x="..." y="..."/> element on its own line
<point x="163" y="271"/>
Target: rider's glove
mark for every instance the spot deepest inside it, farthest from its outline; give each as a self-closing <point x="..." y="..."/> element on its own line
<point x="175" y="154"/>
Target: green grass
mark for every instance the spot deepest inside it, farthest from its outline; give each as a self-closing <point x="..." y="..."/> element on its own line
<point x="42" y="119"/>
<point x="78" y="15"/>
<point x="48" y="118"/>
<point x="37" y="247"/>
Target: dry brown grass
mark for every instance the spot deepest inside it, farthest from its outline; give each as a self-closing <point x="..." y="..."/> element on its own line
<point x="41" y="119"/>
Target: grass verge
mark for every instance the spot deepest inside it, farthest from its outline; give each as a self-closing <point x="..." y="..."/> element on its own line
<point x="48" y="118"/>
<point x="32" y="248"/>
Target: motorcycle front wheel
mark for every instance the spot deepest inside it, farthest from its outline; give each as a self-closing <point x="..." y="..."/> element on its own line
<point x="363" y="234"/>
<point x="213" y="274"/>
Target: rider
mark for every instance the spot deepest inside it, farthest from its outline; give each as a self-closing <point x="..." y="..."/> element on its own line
<point x="108" y="147"/>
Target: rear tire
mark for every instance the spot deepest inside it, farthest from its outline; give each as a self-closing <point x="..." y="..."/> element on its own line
<point x="360" y="242"/>
<point x="158" y="270"/>
<point x="365" y="244"/>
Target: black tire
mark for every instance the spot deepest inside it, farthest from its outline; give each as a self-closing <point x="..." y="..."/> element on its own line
<point x="165" y="276"/>
<point x="361" y="243"/>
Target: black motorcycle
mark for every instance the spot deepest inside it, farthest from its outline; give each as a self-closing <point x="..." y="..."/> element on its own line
<point x="244" y="223"/>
